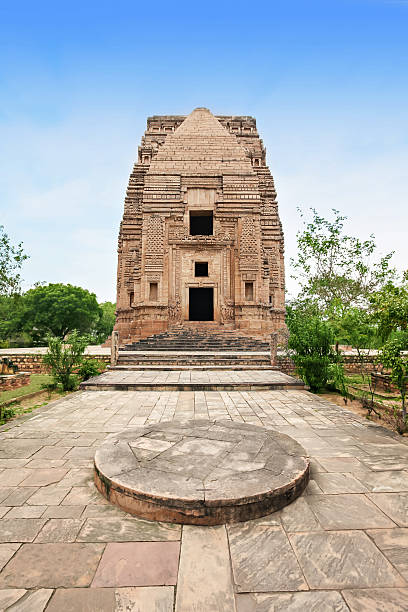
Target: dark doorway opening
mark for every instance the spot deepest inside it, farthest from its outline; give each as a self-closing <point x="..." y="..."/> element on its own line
<point x="201" y="268"/>
<point x="201" y="223"/>
<point x="201" y="304"/>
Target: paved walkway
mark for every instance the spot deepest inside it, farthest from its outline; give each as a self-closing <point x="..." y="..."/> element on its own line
<point x="343" y="545"/>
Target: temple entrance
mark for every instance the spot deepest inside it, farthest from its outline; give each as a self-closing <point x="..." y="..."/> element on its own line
<point x="201" y="304"/>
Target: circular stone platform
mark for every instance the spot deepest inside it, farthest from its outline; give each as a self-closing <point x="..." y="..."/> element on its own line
<point x="201" y="472"/>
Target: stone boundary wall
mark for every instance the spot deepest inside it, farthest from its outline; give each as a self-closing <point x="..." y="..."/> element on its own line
<point x="33" y="363"/>
<point x="351" y="364"/>
<point x="14" y="381"/>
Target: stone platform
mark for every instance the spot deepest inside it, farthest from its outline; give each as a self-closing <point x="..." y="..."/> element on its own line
<point x="201" y="472"/>
<point x="192" y="380"/>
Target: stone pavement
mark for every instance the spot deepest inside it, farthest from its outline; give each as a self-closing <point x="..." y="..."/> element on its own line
<point x="342" y="545"/>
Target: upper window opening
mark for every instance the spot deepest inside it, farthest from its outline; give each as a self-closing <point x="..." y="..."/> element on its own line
<point x="201" y="268"/>
<point x="201" y="223"/>
<point x="249" y="292"/>
<point x="153" y="292"/>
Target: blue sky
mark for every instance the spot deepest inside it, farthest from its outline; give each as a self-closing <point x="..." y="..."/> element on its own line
<point x="327" y="81"/>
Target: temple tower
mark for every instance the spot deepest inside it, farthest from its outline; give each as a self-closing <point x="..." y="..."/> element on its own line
<point x="200" y="238"/>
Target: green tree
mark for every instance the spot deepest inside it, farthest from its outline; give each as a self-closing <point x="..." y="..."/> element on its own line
<point x="354" y="327"/>
<point x="104" y="325"/>
<point x="390" y="308"/>
<point x="58" y="309"/>
<point x="11" y="260"/>
<point x="391" y="357"/>
<point x="337" y="270"/>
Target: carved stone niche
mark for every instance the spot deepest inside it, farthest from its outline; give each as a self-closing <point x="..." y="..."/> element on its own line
<point x="174" y="309"/>
<point x="227" y="311"/>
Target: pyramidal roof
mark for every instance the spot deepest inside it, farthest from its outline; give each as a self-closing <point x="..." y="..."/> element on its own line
<point x="201" y="146"/>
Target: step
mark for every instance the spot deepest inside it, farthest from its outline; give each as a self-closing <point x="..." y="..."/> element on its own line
<point x="202" y="367"/>
<point x="182" y="380"/>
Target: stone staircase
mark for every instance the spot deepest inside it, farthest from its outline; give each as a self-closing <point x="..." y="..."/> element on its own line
<point x="198" y="339"/>
<point x="204" y="346"/>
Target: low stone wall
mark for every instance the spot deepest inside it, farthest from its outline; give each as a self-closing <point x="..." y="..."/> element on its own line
<point x="351" y="364"/>
<point x="14" y="381"/>
<point x="33" y="363"/>
<point x="383" y="382"/>
<point x="285" y="364"/>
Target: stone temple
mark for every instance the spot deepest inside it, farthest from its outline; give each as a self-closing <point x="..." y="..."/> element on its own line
<point x="200" y="240"/>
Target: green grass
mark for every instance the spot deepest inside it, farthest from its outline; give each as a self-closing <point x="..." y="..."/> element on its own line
<point x="36" y="381"/>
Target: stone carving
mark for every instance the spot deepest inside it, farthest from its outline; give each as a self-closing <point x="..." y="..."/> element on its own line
<point x="228" y="311"/>
<point x="174" y="309"/>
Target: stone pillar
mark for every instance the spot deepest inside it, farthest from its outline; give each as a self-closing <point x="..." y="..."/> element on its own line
<point x="274" y="348"/>
<point x="114" y="348"/>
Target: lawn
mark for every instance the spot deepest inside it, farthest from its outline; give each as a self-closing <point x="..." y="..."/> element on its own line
<point x="35" y="385"/>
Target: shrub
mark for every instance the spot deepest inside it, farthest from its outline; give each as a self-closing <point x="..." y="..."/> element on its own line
<point x="311" y="340"/>
<point x="64" y="358"/>
<point x="89" y="368"/>
<point x="6" y="413"/>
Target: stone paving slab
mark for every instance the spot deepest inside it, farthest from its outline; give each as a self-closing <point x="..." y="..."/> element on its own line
<point x="138" y="564"/>
<point x="52" y="565"/>
<point x="320" y="601"/>
<point x="362" y="567"/>
<point x="205" y="553"/>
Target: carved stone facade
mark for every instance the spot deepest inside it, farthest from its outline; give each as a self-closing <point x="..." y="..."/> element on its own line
<point x="200" y="237"/>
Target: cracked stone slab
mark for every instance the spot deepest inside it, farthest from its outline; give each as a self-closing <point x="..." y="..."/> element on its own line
<point x="144" y="599"/>
<point x="111" y="529"/>
<point x="84" y="600"/>
<point x="394" y="505"/>
<point x="255" y="550"/>
<point x="343" y="559"/>
<point x="204" y="581"/>
<point x="167" y="473"/>
<point x="138" y="564"/>
<point x="347" y="512"/>
<point x="321" y="601"/>
<point x="20" y="530"/>
<point x="394" y="544"/>
<point x="6" y="552"/>
<point x="45" y="562"/>
<point x="378" y="600"/>
<point x="34" y="600"/>
<point x="383" y="482"/>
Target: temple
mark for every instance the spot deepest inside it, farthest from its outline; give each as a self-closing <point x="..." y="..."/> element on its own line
<point x="200" y="240"/>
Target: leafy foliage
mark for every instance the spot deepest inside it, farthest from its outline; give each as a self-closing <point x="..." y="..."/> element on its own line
<point x="103" y="327"/>
<point x="63" y="358"/>
<point x="58" y="309"/>
<point x="11" y="260"/>
<point x="89" y="368"/>
<point x="390" y="308"/>
<point x="311" y="340"/>
<point x="337" y="270"/>
<point x="391" y="357"/>
<point x="355" y="327"/>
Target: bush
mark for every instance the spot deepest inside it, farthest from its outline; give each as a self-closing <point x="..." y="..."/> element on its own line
<point x="89" y="368"/>
<point x="6" y="413"/>
<point x="64" y="358"/>
<point x="311" y="340"/>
